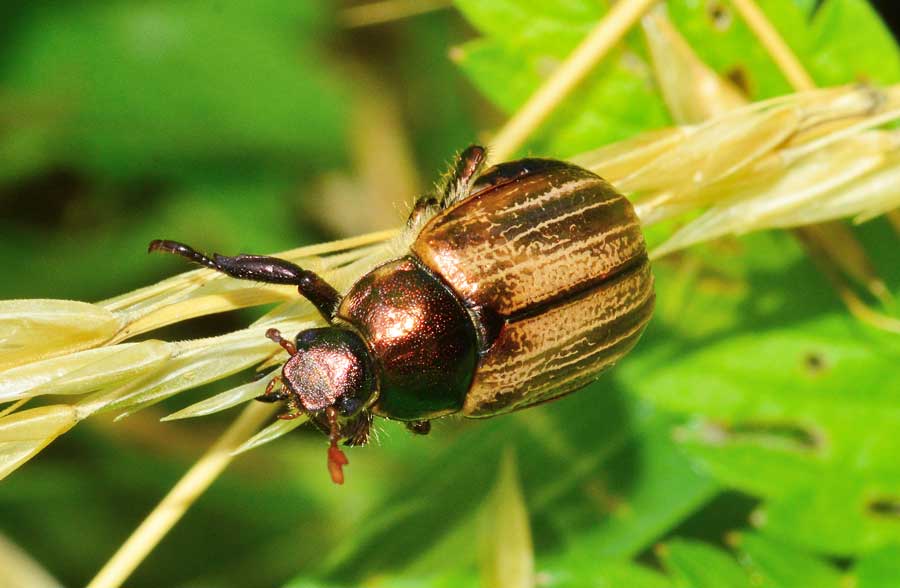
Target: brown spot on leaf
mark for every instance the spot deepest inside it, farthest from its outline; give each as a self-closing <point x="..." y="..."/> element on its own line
<point x="885" y="507"/>
<point x="814" y="363"/>
<point x="738" y="76"/>
<point x="781" y="434"/>
<point x="719" y="15"/>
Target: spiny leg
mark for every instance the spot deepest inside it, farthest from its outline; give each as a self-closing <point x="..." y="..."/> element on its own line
<point x="270" y="395"/>
<point x="424" y="207"/>
<point x="262" y="268"/>
<point x="466" y="170"/>
<point x="294" y="409"/>
<point x="356" y="431"/>
<point x="457" y="184"/>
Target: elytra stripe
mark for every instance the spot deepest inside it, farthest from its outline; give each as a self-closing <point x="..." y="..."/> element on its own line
<point x="546" y="355"/>
<point x="531" y="240"/>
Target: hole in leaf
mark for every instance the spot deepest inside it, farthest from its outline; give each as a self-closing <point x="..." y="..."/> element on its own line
<point x="739" y="77"/>
<point x="719" y="15"/>
<point x="786" y="435"/>
<point x="885" y="507"/>
<point x="814" y="363"/>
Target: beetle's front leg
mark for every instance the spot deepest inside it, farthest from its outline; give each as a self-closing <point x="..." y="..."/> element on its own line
<point x="294" y="409"/>
<point x="270" y="395"/>
<point x="262" y="268"/>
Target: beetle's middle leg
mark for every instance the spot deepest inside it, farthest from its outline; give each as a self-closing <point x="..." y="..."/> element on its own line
<point x="456" y="185"/>
<point x="262" y="268"/>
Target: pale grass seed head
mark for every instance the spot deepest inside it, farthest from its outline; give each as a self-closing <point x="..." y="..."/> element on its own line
<point x="808" y="157"/>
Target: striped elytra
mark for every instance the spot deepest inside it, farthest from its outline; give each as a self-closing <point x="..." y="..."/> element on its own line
<point x="556" y="257"/>
<point x="520" y="285"/>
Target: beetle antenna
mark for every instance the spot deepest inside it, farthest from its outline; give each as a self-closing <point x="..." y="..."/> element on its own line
<point x="336" y="458"/>
<point x="286" y="344"/>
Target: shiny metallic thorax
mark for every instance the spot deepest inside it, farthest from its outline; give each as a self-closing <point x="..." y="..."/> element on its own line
<point x="421" y="338"/>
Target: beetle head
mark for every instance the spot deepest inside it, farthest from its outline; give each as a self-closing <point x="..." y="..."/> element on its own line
<point x="330" y="369"/>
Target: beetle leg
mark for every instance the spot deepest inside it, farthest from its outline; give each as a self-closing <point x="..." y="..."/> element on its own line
<point x="465" y="171"/>
<point x="419" y="427"/>
<point x="357" y="430"/>
<point x="262" y="268"/>
<point x="336" y="458"/>
<point x="294" y="410"/>
<point x="270" y="396"/>
<point x="456" y="186"/>
<point x="425" y="206"/>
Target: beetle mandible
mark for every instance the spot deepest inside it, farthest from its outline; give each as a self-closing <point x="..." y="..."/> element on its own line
<point x="522" y="284"/>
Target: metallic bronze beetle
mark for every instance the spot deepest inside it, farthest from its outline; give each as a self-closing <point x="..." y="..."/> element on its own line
<point x="522" y="285"/>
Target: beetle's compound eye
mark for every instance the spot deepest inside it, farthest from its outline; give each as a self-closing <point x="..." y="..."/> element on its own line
<point x="305" y="338"/>
<point x="349" y="406"/>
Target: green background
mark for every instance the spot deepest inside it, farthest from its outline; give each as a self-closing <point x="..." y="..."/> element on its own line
<point x="750" y="440"/>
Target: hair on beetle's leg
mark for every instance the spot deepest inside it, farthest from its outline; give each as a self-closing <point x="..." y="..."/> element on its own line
<point x="465" y="171"/>
<point x="419" y="427"/>
<point x="424" y="207"/>
<point x="270" y="395"/>
<point x="294" y="409"/>
<point x="356" y="431"/>
<point x="456" y="185"/>
<point x="262" y="268"/>
<point x="336" y="458"/>
<point x="287" y="344"/>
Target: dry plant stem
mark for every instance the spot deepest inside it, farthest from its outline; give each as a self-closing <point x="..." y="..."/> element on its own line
<point x="13" y="407"/>
<point x="180" y="498"/>
<point x="800" y="79"/>
<point x="375" y="13"/>
<point x="623" y="15"/>
<point x="856" y="306"/>
<point x="774" y="44"/>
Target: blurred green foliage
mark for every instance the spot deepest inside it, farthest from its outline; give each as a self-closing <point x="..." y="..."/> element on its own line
<point x="750" y="440"/>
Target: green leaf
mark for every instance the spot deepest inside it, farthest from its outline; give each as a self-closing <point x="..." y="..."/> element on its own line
<point x="879" y="569"/>
<point x="779" y="565"/>
<point x="157" y="86"/>
<point x="522" y="47"/>
<point x="839" y="514"/>
<point x="514" y="21"/>
<point x="598" y="573"/>
<point x="818" y="437"/>
<point x="600" y="475"/>
<point x="696" y="565"/>
<point x="850" y="43"/>
<point x="507" y="556"/>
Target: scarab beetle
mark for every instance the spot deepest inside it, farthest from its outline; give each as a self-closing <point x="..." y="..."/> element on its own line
<point x="521" y="284"/>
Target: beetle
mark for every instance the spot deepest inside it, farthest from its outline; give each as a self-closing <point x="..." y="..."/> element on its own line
<point x="521" y="284"/>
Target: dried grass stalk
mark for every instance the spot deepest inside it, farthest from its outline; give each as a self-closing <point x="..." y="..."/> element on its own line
<point x="808" y="157"/>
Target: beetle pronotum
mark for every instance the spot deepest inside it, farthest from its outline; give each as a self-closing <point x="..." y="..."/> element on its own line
<point x="522" y="285"/>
